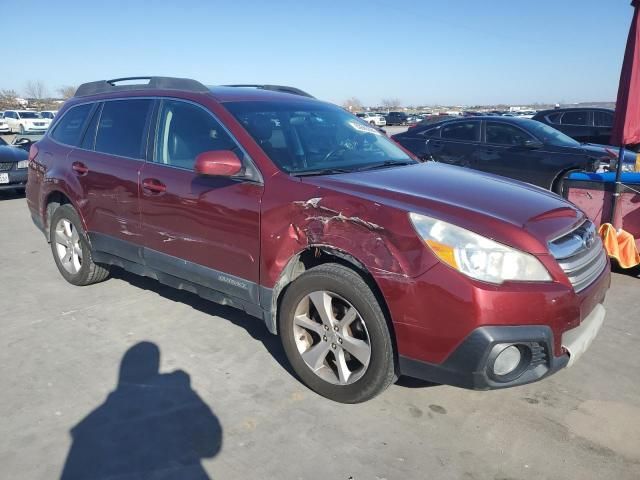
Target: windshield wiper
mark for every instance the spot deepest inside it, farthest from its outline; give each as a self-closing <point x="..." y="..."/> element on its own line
<point x="386" y="163"/>
<point x="320" y="171"/>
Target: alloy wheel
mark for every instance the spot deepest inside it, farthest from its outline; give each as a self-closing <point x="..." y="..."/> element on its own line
<point x="68" y="248"/>
<point x="332" y="337"/>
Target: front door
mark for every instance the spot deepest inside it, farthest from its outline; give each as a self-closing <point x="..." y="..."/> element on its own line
<point x="203" y="229"/>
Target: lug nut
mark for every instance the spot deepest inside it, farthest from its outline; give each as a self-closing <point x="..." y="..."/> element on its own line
<point x="324" y="338"/>
<point x="326" y="327"/>
<point x="339" y="340"/>
<point x="333" y="345"/>
<point x="335" y="328"/>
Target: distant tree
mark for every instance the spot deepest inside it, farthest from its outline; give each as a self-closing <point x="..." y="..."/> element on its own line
<point x="352" y="104"/>
<point x="8" y="99"/>
<point x="35" y="89"/>
<point x="390" y="103"/>
<point x="67" y="91"/>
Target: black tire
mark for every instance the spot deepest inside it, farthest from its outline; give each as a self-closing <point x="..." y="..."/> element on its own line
<point x="350" y="286"/>
<point x="89" y="271"/>
<point x="557" y="186"/>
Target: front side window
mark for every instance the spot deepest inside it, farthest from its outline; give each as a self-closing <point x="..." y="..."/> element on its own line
<point x="603" y="119"/>
<point x="575" y="118"/>
<point x="315" y="138"/>
<point x="69" y="128"/>
<point x="185" y="131"/>
<point x="464" y="131"/>
<point x="504" y="134"/>
<point x="122" y="126"/>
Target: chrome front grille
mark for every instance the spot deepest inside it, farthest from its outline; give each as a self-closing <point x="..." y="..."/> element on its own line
<point x="580" y="254"/>
<point x="4" y="166"/>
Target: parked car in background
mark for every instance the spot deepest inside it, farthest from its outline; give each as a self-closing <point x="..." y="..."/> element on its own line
<point x="396" y="118"/>
<point x="518" y="148"/>
<point x="4" y="126"/>
<point x="13" y="167"/>
<point x="366" y="262"/>
<point x="372" y="119"/>
<point x="413" y="119"/>
<point x="50" y="114"/>
<point x="586" y="125"/>
<point x="25" y="121"/>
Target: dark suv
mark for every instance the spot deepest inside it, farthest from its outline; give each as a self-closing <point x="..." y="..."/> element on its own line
<point x="396" y="118"/>
<point x="366" y="262"/>
<point x="586" y="125"/>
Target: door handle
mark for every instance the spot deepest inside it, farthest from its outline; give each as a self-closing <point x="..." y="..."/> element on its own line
<point x="154" y="185"/>
<point x="80" y="168"/>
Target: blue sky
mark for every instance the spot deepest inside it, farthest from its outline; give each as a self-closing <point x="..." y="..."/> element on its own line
<point x="421" y="51"/>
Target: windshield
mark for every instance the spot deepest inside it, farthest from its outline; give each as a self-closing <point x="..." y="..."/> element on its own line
<point x="315" y="138"/>
<point x="29" y="115"/>
<point x="548" y="134"/>
<point x="46" y="115"/>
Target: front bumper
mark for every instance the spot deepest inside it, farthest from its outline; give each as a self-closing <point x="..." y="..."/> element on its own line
<point x="33" y="129"/>
<point x="17" y="179"/>
<point x="470" y="365"/>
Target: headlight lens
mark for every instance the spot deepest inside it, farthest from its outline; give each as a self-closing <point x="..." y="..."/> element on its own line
<point x="477" y="256"/>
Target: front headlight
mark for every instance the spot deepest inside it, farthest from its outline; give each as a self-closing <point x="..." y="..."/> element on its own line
<point x="477" y="256"/>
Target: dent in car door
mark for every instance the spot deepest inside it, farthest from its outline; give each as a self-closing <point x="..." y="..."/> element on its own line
<point x="203" y="229"/>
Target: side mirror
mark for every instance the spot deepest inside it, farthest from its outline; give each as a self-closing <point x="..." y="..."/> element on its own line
<point x="218" y="163"/>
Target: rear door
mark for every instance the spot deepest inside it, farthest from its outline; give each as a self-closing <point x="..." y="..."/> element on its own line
<point x="203" y="229"/>
<point x="107" y="165"/>
<point x="457" y="143"/>
<point x="504" y="153"/>
<point x="576" y="124"/>
<point x="603" y="124"/>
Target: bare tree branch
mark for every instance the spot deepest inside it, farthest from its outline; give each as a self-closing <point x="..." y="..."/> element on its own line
<point x="67" y="91"/>
<point x="36" y="90"/>
<point x="352" y="104"/>
<point x="390" y="103"/>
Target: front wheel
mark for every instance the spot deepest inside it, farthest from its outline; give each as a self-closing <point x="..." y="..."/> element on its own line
<point x="71" y="249"/>
<point x="335" y="334"/>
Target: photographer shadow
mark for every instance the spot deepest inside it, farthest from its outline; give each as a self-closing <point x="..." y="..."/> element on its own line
<point x="152" y="426"/>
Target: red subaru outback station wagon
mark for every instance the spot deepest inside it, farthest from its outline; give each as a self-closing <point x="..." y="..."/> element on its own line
<point x="367" y="263"/>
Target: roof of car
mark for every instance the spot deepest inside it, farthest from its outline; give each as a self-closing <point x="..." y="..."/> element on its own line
<point x="245" y="94"/>
<point x="569" y="109"/>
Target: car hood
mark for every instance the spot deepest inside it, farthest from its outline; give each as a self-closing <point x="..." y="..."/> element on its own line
<point x="490" y="205"/>
<point x="601" y="152"/>
<point x="12" y="154"/>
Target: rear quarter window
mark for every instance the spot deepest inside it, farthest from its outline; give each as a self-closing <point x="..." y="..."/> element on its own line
<point x="69" y="128"/>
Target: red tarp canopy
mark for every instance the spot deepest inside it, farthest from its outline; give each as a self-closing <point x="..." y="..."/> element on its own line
<point x="626" y="124"/>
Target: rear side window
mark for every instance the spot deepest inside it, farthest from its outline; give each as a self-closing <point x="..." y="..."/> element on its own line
<point x="603" y="119"/>
<point x="430" y="133"/>
<point x="69" y="128"/>
<point x="122" y="126"/>
<point x="574" y="118"/>
<point x="185" y="131"/>
<point x="467" y="131"/>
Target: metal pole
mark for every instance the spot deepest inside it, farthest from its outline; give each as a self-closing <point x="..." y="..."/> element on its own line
<point x="618" y="186"/>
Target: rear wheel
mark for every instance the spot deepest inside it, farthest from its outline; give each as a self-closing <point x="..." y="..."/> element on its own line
<point x="71" y="249"/>
<point x="335" y="334"/>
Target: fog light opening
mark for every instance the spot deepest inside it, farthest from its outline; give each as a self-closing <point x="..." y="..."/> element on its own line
<point x="507" y="361"/>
